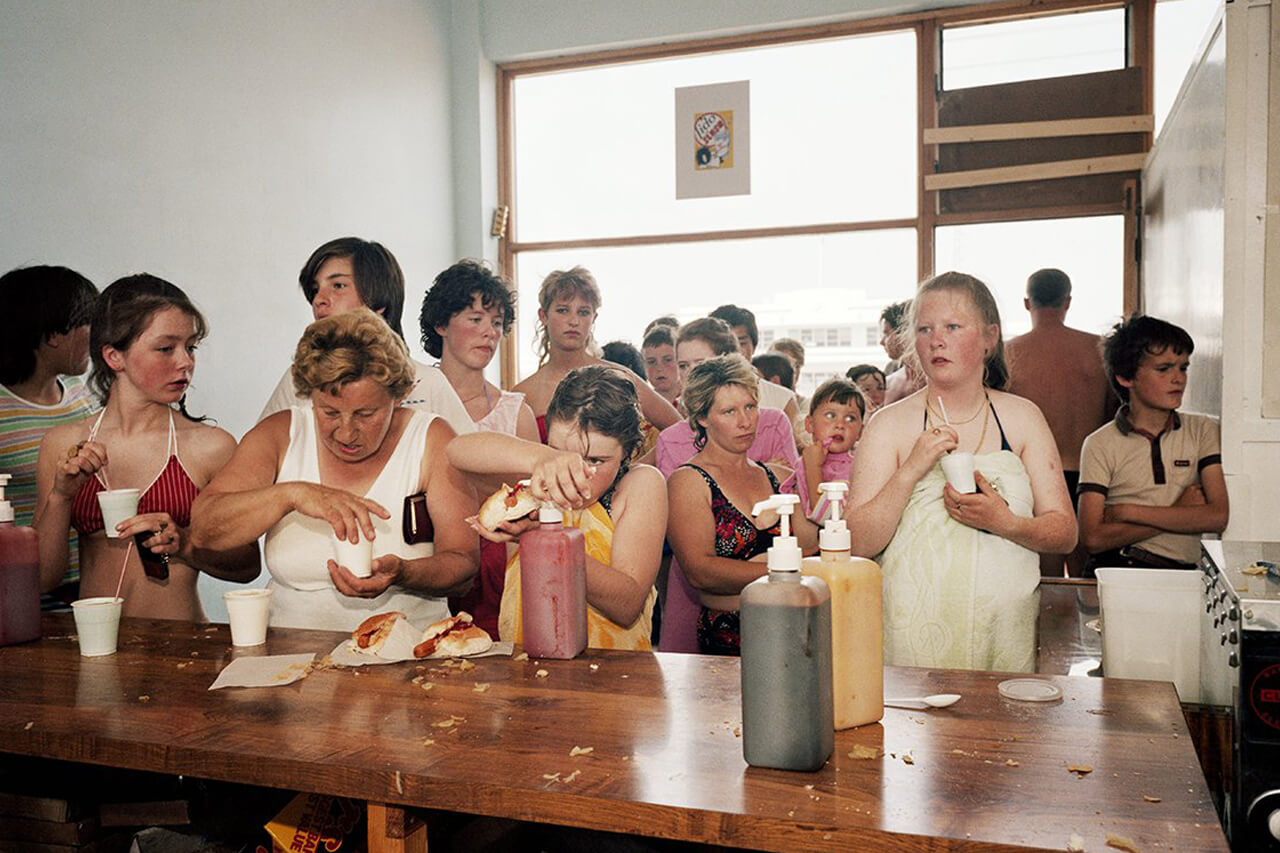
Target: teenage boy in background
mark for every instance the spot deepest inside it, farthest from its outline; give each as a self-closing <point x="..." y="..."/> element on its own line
<point x="1151" y="481"/>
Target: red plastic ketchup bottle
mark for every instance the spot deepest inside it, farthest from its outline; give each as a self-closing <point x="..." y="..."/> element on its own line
<point x="553" y="588"/>
<point x="19" y="577"/>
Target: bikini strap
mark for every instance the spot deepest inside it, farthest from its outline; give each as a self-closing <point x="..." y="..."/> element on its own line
<point x="93" y="430"/>
<point x="1004" y="442"/>
<point x="171" y="446"/>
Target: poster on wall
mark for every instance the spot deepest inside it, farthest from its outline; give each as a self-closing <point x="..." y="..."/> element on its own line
<point x="713" y="140"/>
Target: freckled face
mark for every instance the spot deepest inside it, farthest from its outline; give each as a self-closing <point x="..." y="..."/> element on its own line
<point x="472" y="335"/>
<point x="162" y="359"/>
<point x="602" y="451"/>
<point x="660" y="370"/>
<point x="951" y="339"/>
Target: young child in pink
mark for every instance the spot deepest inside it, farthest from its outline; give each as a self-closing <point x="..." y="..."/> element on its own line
<point x="835" y="422"/>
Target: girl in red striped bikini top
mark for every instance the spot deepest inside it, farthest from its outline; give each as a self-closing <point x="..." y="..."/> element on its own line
<point x="143" y="338"/>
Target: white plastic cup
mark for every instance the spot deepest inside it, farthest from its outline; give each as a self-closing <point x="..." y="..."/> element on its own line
<point x="117" y="505"/>
<point x="97" y="624"/>
<point x="357" y="558"/>
<point x="247" y="611"/>
<point x="958" y="468"/>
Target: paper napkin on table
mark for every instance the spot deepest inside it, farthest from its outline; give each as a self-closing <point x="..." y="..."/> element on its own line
<point x="268" y="671"/>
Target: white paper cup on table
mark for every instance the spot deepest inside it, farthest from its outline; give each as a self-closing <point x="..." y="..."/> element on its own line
<point x="357" y="558"/>
<point x="97" y="624"/>
<point x="247" y="610"/>
<point x="117" y="505"/>
<point x="958" y="468"/>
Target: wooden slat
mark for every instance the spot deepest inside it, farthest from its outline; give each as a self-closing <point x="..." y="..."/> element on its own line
<point x="1035" y="172"/>
<point x="393" y="829"/>
<point x="1038" y="129"/>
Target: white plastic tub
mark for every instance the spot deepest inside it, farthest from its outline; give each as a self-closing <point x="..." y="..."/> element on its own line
<point x="1151" y="626"/>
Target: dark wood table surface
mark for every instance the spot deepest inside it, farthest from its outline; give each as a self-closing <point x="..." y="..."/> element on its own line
<point x="666" y="752"/>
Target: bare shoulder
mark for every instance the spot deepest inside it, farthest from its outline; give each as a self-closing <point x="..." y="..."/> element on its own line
<point x="68" y="433"/>
<point x="900" y="415"/>
<point x="1013" y="406"/>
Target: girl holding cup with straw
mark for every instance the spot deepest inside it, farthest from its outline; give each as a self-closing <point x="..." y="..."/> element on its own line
<point x="961" y="571"/>
<point x="143" y="339"/>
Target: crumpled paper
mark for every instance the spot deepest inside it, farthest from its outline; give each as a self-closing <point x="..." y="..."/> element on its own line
<point x="268" y="671"/>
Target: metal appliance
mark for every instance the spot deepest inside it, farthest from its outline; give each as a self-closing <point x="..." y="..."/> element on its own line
<point x="1240" y="667"/>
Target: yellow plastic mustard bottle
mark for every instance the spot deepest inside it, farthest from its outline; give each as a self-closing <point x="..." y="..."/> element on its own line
<point x="857" y="630"/>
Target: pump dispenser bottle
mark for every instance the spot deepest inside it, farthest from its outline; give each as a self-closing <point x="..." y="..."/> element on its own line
<point x="857" y="632"/>
<point x="553" y="587"/>
<point x="785" y="624"/>
<point x="19" y="577"/>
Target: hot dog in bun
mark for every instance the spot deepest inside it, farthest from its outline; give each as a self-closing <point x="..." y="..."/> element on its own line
<point x="453" y="637"/>
<point x="506" y="504"/>
<point x="370" y="634"/>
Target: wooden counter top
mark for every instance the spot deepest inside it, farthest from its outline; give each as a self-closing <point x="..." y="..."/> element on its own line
<point x="666" y="760"/>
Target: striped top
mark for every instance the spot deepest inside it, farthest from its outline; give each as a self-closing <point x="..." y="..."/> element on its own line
<point x="22" y="426"/>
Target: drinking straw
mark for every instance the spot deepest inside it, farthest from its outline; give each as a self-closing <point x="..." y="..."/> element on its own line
<point x="127" y="552"/>
<point x="943" y="409"/>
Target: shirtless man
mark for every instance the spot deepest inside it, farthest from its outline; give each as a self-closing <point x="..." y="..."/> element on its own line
<point x="902" y="379"/>
<point x="1060" y="370"/>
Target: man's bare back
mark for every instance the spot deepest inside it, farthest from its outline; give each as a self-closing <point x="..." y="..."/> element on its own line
<point x="1060" y="370"/>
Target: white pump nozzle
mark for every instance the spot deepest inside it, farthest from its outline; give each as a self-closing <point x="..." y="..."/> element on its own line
<point x="6" y="508"/>
<point x="785" y="554"/>
<point x="834" y="535"/>
<point x="549" y="513"/>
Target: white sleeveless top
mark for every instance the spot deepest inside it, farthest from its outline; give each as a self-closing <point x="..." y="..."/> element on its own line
<point x="298" y="547"/>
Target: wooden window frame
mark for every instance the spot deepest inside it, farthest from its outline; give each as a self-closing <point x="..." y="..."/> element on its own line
<point x="928" y="28"/>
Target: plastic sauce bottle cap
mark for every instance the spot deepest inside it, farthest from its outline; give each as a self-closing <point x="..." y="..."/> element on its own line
<point x="785" y="554"/>
<point x="6" y="508"/>
<point x="549" y="513"/>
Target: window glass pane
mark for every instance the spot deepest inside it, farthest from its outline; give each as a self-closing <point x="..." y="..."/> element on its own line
<point x="1090" y="250"/>
<point x="793" y="284"/>
<point x="1031" y="49"/>
<point x="833" y="139"/>
<point x="1181" y="28"/>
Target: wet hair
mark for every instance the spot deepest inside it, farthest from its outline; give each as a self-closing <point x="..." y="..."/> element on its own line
<point x="706" y="379"/>
<point x="772" y="364"/>
<point x="839" y="391"/>
<point x="347" y="347"/>
<point x="737" y="316"/>
<point x="601" y="399"/>
<point x="377" y="274"/>
<point x="668" y="320"/>
<point x="120" y="316"/>
<point x="896" y="313"/>
<point x="1048" y="288"/>
<point x="659" y="336"/>
<point x="995" y="372"/>
<point x="563" y="284"/>
<point x="791" y="348"/>
<point x="1123" y="348"/>
<point x="621" y="352"/>
<point x="712" y="331"/>
<point x="454" y="291"/>
<point x="853" y="374"/>
<point x="39" y="302"/>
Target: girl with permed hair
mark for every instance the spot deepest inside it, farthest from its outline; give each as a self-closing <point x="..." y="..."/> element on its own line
<point x="143" y="341"/>
<point x="586" y="467"/>
<point x="567" y="304"/>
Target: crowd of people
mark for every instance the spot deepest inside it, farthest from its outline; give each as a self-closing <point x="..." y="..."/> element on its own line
<point x="657" y="454"/>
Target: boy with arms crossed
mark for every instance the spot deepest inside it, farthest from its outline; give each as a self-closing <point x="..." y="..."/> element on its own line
<point x="1151" y="481"/>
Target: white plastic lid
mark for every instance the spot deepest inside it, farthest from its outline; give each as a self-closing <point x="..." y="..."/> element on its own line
<point x="1030" y="690"/>
<point x="549" y="513"/>
<point x="834" y="535"/>
<point x="6" y="508"/>
<point x="785" y="554"/>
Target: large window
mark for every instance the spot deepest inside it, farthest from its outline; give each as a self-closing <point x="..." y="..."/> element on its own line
<point x="842" y="218"/>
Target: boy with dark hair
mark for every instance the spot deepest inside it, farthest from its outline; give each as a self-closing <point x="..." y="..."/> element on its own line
<point x="659" y="353"/>
<point x="777" y="368"/>
<point x="1151" y="481"/>
<point x="743" y="324"/>
<point x="624" y="353"/>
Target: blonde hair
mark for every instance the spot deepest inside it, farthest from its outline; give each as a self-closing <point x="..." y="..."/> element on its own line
<point x="706" y="379"/>
<point x="995" y="372"/>
<point x="561" y="284"/>
<point x="349" y="347"/>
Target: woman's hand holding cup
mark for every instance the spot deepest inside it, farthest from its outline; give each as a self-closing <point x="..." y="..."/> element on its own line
<point x="984" y="509"/>
<point x="384" y="571"/>
<point x="929" y="447"/>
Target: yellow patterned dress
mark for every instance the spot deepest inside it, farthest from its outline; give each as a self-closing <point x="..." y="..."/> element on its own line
<point x="954" y="596"/>
<point x="597" y="530"/>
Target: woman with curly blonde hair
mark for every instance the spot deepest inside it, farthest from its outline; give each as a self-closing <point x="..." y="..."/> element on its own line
<point x="342" y="468"/>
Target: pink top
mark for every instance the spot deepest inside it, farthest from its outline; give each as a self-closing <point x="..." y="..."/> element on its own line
<point x="835" y="467"/>
<point x="775" y="442"/>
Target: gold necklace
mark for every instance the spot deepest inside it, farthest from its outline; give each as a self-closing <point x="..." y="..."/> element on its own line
<point x="986" y="421"/>
<point x="938" y="414"/>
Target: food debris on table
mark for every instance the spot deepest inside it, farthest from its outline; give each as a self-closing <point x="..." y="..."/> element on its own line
<point x="521" y="656"/>
<point x="571" y="776"/>
<point x="581" y="750"/>
<point x="863" y="753"/>
<point x="480" y="687"/>
<point x="144" y="698"/>
<point x="465" y="665"/>
<point x="551" y="777"/>
<point x="28" y="726"/>
<point x="445" y="724"/>
<point x="1075" y="844"/>
<point x="1150" y="799"/>
<point x="908" y="758"/>
<point x="428" y="741"/>
<point x="542" y="673"/>
<point x="1121" y="843"/>
<point x="1080" y="770"/>
<point x="1009" y="762"/>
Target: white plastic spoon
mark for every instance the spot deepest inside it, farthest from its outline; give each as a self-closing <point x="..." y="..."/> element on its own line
<point x="938" y="700"/>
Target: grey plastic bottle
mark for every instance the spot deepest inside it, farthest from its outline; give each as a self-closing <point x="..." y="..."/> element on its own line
<point x="785" y="621"/>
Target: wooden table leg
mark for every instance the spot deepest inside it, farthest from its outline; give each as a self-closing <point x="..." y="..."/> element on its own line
<point x="393" y="829"/>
